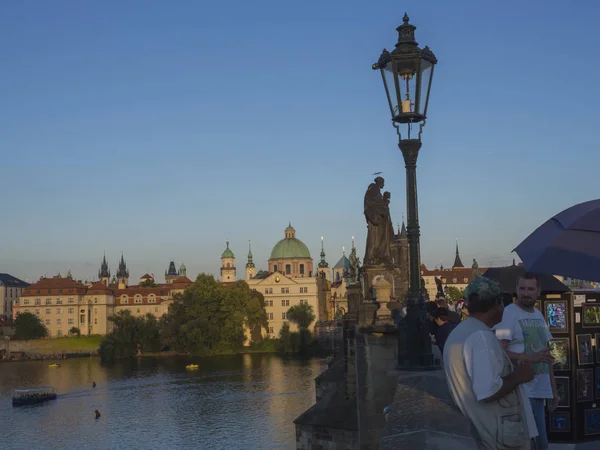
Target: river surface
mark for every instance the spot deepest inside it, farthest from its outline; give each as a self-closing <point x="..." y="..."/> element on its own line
<point x="237" y="402"/>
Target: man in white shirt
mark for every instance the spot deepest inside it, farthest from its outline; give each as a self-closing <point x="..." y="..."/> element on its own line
<point x="524" y="335"/>
<point x="484" y="384"/>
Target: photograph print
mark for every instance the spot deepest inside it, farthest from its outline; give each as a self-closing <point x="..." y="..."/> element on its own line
<point x="563" y="391"/>
<point x="591" y="422"/>
<point x="556" y="316"/>
<point x="591" y="316"/>
<point x="585" y="385"/>
<point x="585" y="351"/>
<point x="560" y="351"/>
<point x="560" y="422"/>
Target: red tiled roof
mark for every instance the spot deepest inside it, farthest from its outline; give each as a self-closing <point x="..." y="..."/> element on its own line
<point x="54" y="286"/>
<point x="99" y="288"/>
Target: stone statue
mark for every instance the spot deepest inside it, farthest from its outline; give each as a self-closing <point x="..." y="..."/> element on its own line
<point x="354" y="266"/>
<point x="440" y="288"/>
<point x="475" y="268"/>
<point x="380" y="231"/>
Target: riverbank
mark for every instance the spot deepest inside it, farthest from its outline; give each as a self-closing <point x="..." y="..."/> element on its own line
<point x="57" y="348"/>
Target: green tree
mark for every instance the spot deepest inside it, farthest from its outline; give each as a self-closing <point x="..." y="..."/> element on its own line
<point x="75" y="331"/>
<point x="455" y="294"/>
<point x="289" y="342"/>
<point x="29" y="326"/>
<point x="148" y="283"/>
<point x="129" y="332"/>
<point x="302" y="315"/>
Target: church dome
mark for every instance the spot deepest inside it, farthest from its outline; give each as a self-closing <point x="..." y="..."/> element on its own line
<point x="227" y="253"/>
<point x="290" y="247"/>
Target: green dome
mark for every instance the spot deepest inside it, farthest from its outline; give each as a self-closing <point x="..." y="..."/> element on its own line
<point x="289" y="248"/>
<point x="227" y="253"/>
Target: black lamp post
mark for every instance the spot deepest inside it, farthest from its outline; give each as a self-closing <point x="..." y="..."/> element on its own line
<point x="407" y="73"/>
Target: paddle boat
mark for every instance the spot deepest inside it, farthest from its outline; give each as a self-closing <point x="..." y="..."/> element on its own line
<point x="192" y="367"/>
<point x="54" y="365"/>
<point x="32" y="396"/>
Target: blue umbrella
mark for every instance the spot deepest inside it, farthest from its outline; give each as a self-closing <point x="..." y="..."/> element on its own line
<point x="568" y="244"/>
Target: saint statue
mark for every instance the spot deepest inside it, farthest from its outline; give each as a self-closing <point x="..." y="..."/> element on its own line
<point x="475" y="268"/>
<point x="380" y="232"/>
<point x="354" y="265"/>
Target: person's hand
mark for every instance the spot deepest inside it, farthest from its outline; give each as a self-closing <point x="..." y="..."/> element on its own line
<point x="542" y="356"/>
<point x="554" y="403"/>
<point x="524" y="373"/>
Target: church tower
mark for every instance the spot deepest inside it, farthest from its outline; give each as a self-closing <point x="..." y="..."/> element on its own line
<point x="122" y="274"/>
<point x="171" y="273"/>
<point x="182" y="270"/>
<point x="227" y="266"/>
<point x="323" y="268"/>
<point x="457" y="262"/>
<point x="250" y="264"/>
<point x="104" y="273"/>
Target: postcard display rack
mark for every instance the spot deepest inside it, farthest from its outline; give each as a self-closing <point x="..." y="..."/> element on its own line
<point x="574" y="320"/>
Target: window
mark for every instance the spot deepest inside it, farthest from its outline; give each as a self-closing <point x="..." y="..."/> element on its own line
<point x="48" y="301"/>
<point x="58" y="310"/>
<point x="151" y="298"/>
<point x="284" y="315"/>
<point x="48" y="321"/>
<point x="283" y="290"/>
<point x="70" y="321"/>
<point x="156" y="309"/>
<point x="270" y="290"/>
<point x="454" y="280"/>
<point x="58" y="321"/>
<point x="70" y="310"/>
<point x="37" y="311"/>
<point x="48" y="310"/>
<point x="124" y="299"/>
<point x="288" y="269"/>
<point x="304" y="302"/>
<point x="95" y="300"/>
<point x="275" y="268"/>
<point x="59" y="301"/>
<point x="271" y="330"/>
<point x="266" y="290"/>
<point x="465" y="280"/>
<point x="38" y="301"/>
<point x="26" y="301"/>
<point x="138" y="299"/>
<point x="270" y="316"/>
<point x="82" y="318"/>
<point x="301" y="269"/>
<point x="71" y="300"/>
<point x="285" y="303"/>
<point x="95" y="321"/>
<point x="304" y="290"/>
<point x="59" y="333"/>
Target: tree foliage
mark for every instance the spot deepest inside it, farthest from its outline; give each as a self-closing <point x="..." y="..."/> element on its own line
<point x="148" y="283"/>
<point x="29" y="326"/>
<point x="128" y="333"/>
<point x="302" y="315"/>
<point x="74" y="331"/>
<point x="455" y="294"/>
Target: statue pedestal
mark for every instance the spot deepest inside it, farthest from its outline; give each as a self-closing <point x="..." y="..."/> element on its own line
<point x="369" y="275"/>
<point x="354" y="301"/>
<point x="383" y="291"/>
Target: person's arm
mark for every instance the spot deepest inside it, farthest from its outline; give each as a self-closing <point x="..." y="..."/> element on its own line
<point x="543" y="356"/>
<point x="522" y="374"/>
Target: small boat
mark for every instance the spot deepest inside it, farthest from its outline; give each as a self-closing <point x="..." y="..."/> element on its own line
<point x="192" y="367"/>
<point x="32" y="396"/>
<point x="54" y="365"/>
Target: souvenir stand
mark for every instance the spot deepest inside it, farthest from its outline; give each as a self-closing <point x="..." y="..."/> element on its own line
<point x="574" y="320"/>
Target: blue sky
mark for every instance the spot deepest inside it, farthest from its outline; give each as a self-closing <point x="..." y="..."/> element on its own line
<point x="163" y="129"/>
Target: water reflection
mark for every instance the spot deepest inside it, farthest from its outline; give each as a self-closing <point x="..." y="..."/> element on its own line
<point x="245" y="402"/>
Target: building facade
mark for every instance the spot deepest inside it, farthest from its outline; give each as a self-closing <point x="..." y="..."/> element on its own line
<point x="11" y="289"/>
<point x="64" y="303"/>
<point x="289" y="281"/>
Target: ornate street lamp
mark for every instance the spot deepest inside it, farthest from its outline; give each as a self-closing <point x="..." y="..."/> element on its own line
<point x="407" y="73"/>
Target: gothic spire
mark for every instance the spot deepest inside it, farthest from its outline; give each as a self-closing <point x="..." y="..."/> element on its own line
<point x="172" y="271"/>
<point x="122" y="272"/>
<point x="323" y="263"/>
<point x="250" y="263"/>
<point x="403" y="229"/>
<point x="104" y="272"/>
<point x="457" y="261"/>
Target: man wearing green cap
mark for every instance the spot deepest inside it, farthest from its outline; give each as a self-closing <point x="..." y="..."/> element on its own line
<point x="485" y="385"/>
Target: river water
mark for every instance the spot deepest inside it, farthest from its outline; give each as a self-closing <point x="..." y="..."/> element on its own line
<point x="237" y="402"/>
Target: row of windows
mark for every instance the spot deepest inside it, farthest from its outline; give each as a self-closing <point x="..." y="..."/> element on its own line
<point x="285" y="302"/>
<point x="59" y="301"/>
<point x="270" y="330"/>
<point x="288" y="269"/>
<point x="286" y="290"/>
<point x="17" y="292"/>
